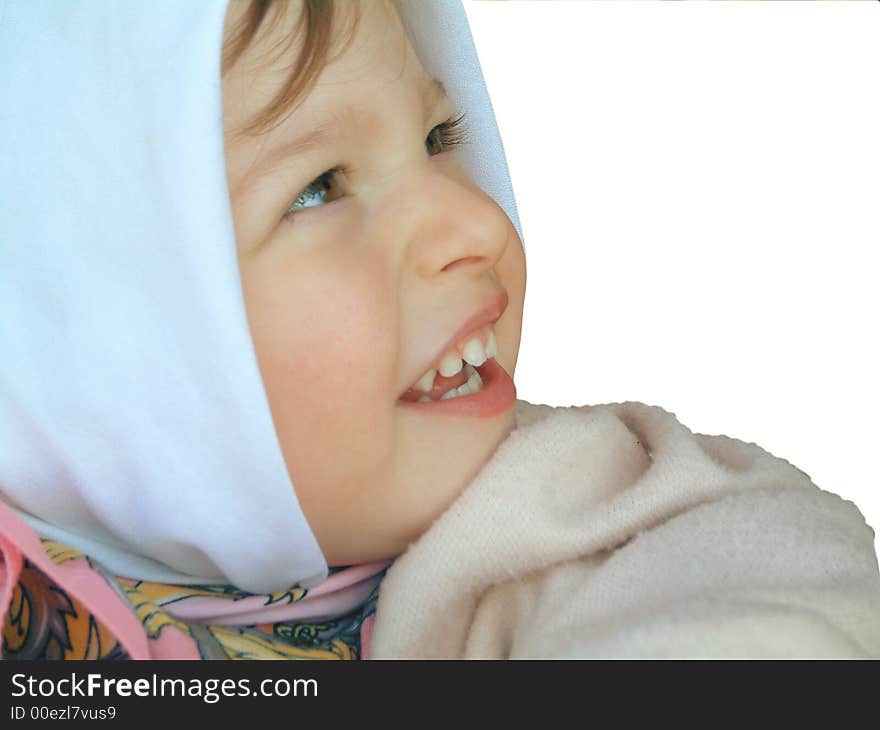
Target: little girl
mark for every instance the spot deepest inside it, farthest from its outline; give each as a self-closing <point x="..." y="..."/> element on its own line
<point x="261" y="308"/>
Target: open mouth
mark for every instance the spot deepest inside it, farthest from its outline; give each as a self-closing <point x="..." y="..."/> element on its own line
<point x="495" y="396"/>
<point x="468" y="381"/>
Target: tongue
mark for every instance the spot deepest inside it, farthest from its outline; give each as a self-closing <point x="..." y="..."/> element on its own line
<point x="441" y="386"/>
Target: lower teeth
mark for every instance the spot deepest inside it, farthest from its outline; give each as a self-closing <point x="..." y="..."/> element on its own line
<point x="474" y="384"/>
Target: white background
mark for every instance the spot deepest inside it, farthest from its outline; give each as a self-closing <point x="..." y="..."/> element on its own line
<point x="698" y="185"/>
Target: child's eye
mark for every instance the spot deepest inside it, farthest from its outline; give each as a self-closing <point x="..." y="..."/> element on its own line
<point x="445" y="135"/>
<point x="314" y="192"/>
<point x="452" y="132"/>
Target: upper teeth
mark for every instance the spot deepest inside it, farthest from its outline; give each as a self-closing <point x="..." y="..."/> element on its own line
<point x="472" y="352"/>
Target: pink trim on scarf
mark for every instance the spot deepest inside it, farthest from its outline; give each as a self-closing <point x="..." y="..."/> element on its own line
<point x="341" y="593"/>
<point x="223" y="612"/>
<point x="366" y="636"/>
<point x="10" y="568"/>
<point x="89" y="588"/>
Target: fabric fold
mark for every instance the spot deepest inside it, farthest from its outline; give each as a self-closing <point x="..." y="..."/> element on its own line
<point x="614" y="531"/>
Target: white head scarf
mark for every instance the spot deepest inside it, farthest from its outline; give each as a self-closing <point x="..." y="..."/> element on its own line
<point x="134" y="425"/>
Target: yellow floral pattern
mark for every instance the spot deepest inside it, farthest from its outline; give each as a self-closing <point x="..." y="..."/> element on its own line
<point x="44" y="621"/>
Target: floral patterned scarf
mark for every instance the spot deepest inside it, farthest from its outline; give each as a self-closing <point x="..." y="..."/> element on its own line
<point x="57" y="603"/>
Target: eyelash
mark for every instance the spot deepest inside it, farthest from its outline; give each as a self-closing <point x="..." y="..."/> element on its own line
<point x="452" y="132"/>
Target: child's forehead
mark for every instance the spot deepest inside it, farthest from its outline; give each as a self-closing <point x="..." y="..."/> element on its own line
<point x="376" y="74"/>
<point x="359" y="31"/>
<point x="325" y="120"/>
<point x="369" y="56"/>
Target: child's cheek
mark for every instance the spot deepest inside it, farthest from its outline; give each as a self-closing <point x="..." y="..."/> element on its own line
<point x="325" y="333"/>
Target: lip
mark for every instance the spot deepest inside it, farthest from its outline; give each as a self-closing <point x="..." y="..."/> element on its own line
<point x="490" y="313"/>
<point x="496" y="396"/>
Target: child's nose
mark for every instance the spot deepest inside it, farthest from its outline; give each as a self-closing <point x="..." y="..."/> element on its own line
<point x="449" y="223"/>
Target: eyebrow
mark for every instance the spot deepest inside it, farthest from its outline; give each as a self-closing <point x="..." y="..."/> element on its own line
<point x="431" y="93"/>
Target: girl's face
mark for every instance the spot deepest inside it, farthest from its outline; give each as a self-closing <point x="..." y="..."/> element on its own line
<point x="351" y="296"/>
